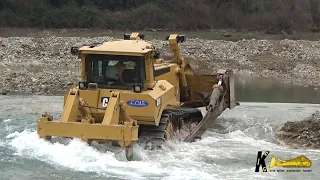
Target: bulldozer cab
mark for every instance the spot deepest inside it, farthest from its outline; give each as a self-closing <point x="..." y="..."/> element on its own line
<point x="115" y="71"/>
<point x="120" y="65"/>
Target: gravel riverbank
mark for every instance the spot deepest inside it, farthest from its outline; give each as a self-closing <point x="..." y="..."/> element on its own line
<point x="44" y="65"/>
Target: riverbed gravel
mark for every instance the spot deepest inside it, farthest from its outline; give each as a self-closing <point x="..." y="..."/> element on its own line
<point x="44" y="65"/>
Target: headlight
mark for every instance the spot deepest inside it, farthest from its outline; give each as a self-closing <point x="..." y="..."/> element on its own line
<point x="74" y="50"/>
<point x="137" y="88"/>
<point x="158" y="101"/>
<point x="82" y="85"/>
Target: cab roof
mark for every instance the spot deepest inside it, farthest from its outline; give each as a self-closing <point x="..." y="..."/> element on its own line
<point x="120" y="46"/>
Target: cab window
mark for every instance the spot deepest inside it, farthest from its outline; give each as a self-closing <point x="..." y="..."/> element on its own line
<point x="115" y="71"/>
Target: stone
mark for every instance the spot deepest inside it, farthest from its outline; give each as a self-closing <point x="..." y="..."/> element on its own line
<point x="34" y="62"/>
<point x="307" y="132"/>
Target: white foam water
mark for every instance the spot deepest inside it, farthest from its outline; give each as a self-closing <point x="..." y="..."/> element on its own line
<point x="227" y="151"/>
<point x="198" y="160"/>
<point x="7" y="120"/>
<point x="78" y="156"/>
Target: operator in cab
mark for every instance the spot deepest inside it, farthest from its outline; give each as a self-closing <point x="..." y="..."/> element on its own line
<point x="114" y="71"/>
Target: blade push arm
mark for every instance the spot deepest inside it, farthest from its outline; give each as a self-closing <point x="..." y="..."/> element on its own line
<point x="116" y="124"/>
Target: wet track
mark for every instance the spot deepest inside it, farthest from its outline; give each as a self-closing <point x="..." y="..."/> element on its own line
<point x="228" y="149"/>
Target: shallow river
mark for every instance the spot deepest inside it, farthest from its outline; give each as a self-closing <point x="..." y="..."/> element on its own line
<point x="228" y="149"/>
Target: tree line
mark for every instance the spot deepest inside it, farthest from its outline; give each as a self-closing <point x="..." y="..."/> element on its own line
<point x="271" y="15"/>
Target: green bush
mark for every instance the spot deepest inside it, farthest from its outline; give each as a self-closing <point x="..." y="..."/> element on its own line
<point x="274" y="15"/>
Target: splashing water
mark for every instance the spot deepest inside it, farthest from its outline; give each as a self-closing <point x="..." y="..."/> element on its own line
<point x="227" y="150"/>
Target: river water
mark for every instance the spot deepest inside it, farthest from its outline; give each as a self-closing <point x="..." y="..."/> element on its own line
<point x="228" y="150"/>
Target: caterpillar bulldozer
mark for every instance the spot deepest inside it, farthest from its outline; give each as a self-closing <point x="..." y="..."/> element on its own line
<point x="129" y="94"/>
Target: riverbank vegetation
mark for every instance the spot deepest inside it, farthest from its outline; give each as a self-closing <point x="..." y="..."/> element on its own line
<point x="272" y="16"/>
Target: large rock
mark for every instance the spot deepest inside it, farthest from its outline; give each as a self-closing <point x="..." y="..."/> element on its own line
<point x="301" y="134"/>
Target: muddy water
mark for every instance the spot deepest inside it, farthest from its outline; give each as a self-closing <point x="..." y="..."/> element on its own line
<point x="228" y="149"/>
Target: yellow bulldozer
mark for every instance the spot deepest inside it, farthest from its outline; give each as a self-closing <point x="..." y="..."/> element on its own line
<point x="129" y="94"/>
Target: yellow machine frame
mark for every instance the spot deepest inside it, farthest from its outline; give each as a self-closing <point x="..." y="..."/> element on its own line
<point x="85" y="117"/>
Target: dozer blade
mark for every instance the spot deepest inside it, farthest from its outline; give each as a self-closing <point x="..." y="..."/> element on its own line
<point x="187" y="122"/>
<point x="232" y="99"/>
<point x="216" y="105"/>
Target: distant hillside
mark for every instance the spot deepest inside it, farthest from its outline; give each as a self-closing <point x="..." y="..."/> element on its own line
<point x="273" y="16"/>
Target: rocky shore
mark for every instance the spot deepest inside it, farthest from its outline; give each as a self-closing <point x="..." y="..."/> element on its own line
<point x="301" y="134"/>
<point x="44" y="65"/>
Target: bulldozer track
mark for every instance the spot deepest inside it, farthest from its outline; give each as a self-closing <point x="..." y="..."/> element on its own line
<point x="155" y="136"/>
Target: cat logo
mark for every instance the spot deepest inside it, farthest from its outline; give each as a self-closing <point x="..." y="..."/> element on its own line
<point x="105" y="101"/>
